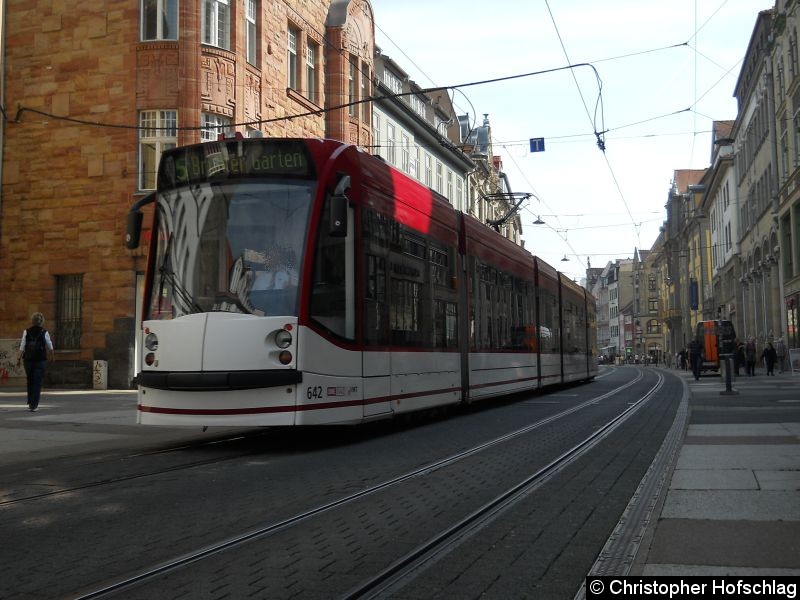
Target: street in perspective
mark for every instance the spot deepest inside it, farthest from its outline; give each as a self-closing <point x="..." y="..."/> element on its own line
<point x="642" y="471"/>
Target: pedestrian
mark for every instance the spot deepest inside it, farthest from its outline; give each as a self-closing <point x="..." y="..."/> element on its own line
<point x="780" y="350"/>
<point x="739" y="357"/>
<point x="35" y="349"/>
<point x="695" y="357"/>
<point x="683" y="356"/>
<point x="750" y="357"/>
<point x="769" y="356"/>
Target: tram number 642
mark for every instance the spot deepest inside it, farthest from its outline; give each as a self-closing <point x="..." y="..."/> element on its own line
<point x="314" y="392"/>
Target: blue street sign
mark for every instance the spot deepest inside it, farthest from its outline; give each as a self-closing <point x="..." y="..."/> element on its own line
<point x="537" y="144"/>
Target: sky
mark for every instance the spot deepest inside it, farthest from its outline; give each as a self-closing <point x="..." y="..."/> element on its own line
<point x="658" y="74"/>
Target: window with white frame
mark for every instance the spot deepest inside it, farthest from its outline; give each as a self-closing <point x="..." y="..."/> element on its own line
<point x="459" y="193"/>
<point x="417" y="105"/>
<point x="428" y="170"/>
<point x="251" y="29"/>
<point x="213" y="125"/>
<point x="392" y="81"/>
<point x="439" y="178"/>
<point x="450" y="185"/>
<point x="406" y="155"/>
<point x="376" y="134"/>
<point x="159" y="20"/>
<point x="390" y="153"/>
<point x="158" y="131"/>
<point x="291" y="58"/>
<point x="312" y="52"/>
<point x="217" y="23"/>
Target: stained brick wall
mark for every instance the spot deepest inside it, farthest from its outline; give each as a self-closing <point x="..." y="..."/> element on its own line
<point x="67" y="185"/>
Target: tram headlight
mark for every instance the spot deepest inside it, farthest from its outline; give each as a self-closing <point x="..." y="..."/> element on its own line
<point x="151" y="342"/>
<point x="283" y="339"/>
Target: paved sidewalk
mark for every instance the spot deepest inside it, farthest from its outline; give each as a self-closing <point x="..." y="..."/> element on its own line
<point x="733" y="503"/>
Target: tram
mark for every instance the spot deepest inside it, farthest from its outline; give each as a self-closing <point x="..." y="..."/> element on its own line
<point x="305" y="282"/>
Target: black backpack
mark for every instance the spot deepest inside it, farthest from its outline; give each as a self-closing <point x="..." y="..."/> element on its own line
<point x="34" y="344"/>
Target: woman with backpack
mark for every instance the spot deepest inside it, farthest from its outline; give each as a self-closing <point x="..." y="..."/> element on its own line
<point x="35" y="349"/>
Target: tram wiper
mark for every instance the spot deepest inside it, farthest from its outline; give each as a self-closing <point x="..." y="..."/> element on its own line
<point x="179" y="291"/>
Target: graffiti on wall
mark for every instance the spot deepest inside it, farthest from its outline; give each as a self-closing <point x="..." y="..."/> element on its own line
<point x="8" y="361"/>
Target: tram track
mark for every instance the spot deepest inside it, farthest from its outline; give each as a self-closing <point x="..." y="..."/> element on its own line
<point x="441" y="542"/>
<point x="389" y="579"/>
<point x="261" y="433"/>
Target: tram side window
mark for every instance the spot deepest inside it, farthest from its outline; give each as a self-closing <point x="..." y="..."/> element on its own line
<point x="548" y="322"/>
<point x="376" y="235"/>
<point x="574" y="329"/>
<point x="329" y="285"/>
<point x="445" y="297"/>
<point x="410" y="309"/>
<point x="500" y="308"/>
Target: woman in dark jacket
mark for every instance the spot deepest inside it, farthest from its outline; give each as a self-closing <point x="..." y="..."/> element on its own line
<point x="769" y="356"/>
<point x="35" y="349"/>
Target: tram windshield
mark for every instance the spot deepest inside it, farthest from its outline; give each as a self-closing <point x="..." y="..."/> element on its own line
<point x="234" y="245"/>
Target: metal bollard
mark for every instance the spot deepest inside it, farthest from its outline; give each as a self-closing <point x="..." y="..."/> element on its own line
<point x="729" y="391"/>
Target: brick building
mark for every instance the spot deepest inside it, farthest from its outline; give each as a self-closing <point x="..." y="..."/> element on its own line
<point x="94" y="91"/>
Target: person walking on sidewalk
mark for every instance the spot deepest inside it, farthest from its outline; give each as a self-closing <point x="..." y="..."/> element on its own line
<point x="780" y="350"/>
<point x="769" y="356"/>
<point x="35" y="349"/>
<point x="750" y="357"/>
<point x="695" y="357"/>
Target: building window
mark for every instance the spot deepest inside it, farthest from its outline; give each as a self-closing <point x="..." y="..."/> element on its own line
<point x="376" y="134"/>
<point x="428" y="171"/>
<point x="291" y="59"/>
<point x="157" y="132"/>
<point x="796" y="123"/>
<point x="213" y="125"/>
<point x="312" y="51"/>
<point x="439" y="178"/>
<point x="392" y="81"/>
<point x="217" y="23"/>
<point x="365" y="92"/>
<point x="352" y="87"/>
<point x="390" y="154"/>
<point x="69" y="291"/>
<point x="159" y="20"/>
<point x="250" y="27"/>
<point x="406" y="155"/>
<point x="459" y="193"/>
<point x="652" y="305"/>
<point x="450" y="185"/>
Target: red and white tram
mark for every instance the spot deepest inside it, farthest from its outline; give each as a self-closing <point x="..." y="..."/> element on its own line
<point x="304" y="282"/>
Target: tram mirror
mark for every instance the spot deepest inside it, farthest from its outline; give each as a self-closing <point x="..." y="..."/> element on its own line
<point x="339" y="205"/>
<point x="133" y="229"/>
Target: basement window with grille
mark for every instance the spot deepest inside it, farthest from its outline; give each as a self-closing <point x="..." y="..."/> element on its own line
<point x="69" y="301"/>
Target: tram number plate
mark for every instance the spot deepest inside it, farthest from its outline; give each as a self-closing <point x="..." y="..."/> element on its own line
<point x="314" y="392"/>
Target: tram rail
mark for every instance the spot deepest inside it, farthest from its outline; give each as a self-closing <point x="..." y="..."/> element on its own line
<point x="400" y="569"/>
